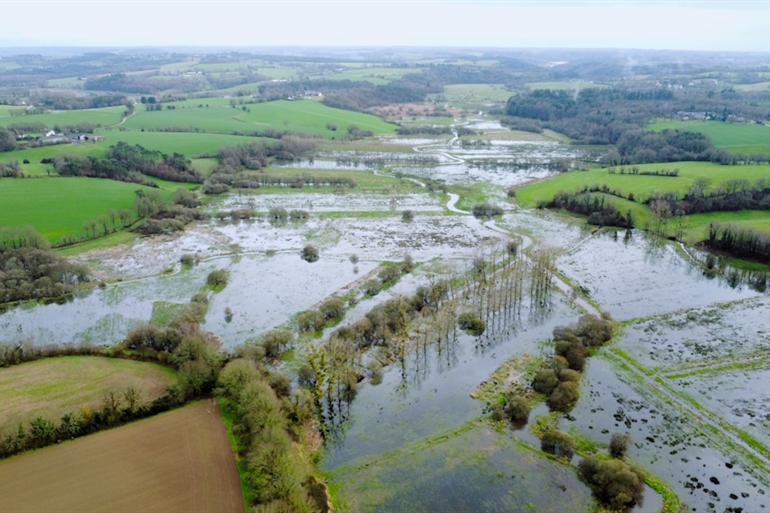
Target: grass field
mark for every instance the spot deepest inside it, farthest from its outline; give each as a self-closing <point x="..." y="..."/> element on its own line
<point x="188" y="144"/>
<point x="300" y="116"/>
<point x="737" y="137"/>
<point x="365" y="181"/>
<point x="58" y="206"/>
<point x="174" y="462"/>
<point x="312" y="117"/>
<point x="55" y="386"/>
<point x="474" y="95"/>
<point x="105" y="117"/>
<point x="644" y="185"/>
<point x="35" y="155"/>
<point x="567" y="85"/>
<point x="641" y="185"/>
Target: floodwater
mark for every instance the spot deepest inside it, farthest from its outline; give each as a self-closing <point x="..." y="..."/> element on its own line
<point x="665" y="441"/>
<point x="631" y="275"/>
<point x="705" y="334"/>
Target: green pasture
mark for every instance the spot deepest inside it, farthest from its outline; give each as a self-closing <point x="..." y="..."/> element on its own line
<point x="56" y="207"/>
<point x="365" y="180"/>
<point x="311" y="117"/>
<point x="186" y="143"/>
<point x="644" y="185"/>
<point x="697" y="224"/>
<point x="299" y="116"/>
<point x="35" y="155"/>
<point x="641" y="185"/>
<point x="468" y="95"/>
<point x="54" y="386"/>
<point x="737" y="137"/>
<point x="759" y="86"/>
<point x="566" y="85"/>
<point x="216" y="119"/>
<point x="66" y="83"/>
<point x="105" y="117"/>
<point x="176" y="66"/>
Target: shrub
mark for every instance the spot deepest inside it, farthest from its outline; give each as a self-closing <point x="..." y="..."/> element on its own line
<point x="333" y="308"/>
<point x="217" y="278"/>
<point x="517" y="410"/>
<point x="545" y="381"/>
<point x="559" y="443"/>
<point x="486" y="210"/>
<point x="389" y="273"/>
<point x="309" y="253"/>
<point x="354" y="258"/>
<point x="275" y="342"/>
<point x="614" y="482"/>
<point x="472" y="323"/>
<point x="312" y="320"/>
<point x="569" y="375"/>
<point x="564" y="396"/>
<point x="187" y="260"/>
<point x="619" y="444"/>
<point x="407" y="216"/>
<point x="372" y="287"/>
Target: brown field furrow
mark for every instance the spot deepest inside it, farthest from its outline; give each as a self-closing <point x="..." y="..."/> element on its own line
<point x="178" y="461"/>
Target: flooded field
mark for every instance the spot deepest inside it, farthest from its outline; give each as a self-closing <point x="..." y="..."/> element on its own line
<point x="701" y="335"/>
<point x="685" y="375"/>
<point x="475" y="469"/>
<point x="632" y="275"/>
<point x="667" y="442"/>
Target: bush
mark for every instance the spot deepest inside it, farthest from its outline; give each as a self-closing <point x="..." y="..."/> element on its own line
<point x="275" y="342"/>
<point x="333" y="308"/>
<point x="372" y="287"/>
<point x="389" y="273"/>
<point x="217" y="278"/>
<point x="187" y="260"/>
<point x="312" y="320"/>
<point x="569" y="375"/>
<point x="564" y="396"/>
<point x="545" y="381"/>
<point x="472" y="323"/>
<point x="407" y="216"/>
<point x="619" y="444"/>
<point x="309" y="253"/>
<point x="559" y="443"/>
<point x="614" y="482"/>
<point x="517" y="410"/>
<point x="486" y="210"/>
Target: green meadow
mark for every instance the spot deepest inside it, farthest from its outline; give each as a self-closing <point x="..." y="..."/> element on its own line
<point x="105" y="117"/>
<point x="567" y="85"/>
<point x="311" y="117"/>
<point x="299" y="116"/>
<point x="737" y="137"/>
<point x="641" y="185"/>
<point x="644" y="185"/>
<point x="474" y="95"/>
<point x="56" y="207"/>
<point x="188" y="144"/>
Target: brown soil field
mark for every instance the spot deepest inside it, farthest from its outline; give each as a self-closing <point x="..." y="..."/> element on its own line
<point x="176" y="461"/>
<point x="54" y="386"/>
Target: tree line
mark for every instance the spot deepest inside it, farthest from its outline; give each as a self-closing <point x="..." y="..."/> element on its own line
<point x="30" y="270"/>
<point x="128" y="163"/>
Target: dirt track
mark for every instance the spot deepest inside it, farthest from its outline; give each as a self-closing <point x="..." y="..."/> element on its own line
<point x="178" y="461"/>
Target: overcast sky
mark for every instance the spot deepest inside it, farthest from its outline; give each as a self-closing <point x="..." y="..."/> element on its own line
<point x="734" y="26"/>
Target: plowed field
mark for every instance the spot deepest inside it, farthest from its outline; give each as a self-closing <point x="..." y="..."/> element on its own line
<point x="177" y="461"/>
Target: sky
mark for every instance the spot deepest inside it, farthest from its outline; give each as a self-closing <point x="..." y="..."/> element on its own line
<point x="694" y="25"/>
